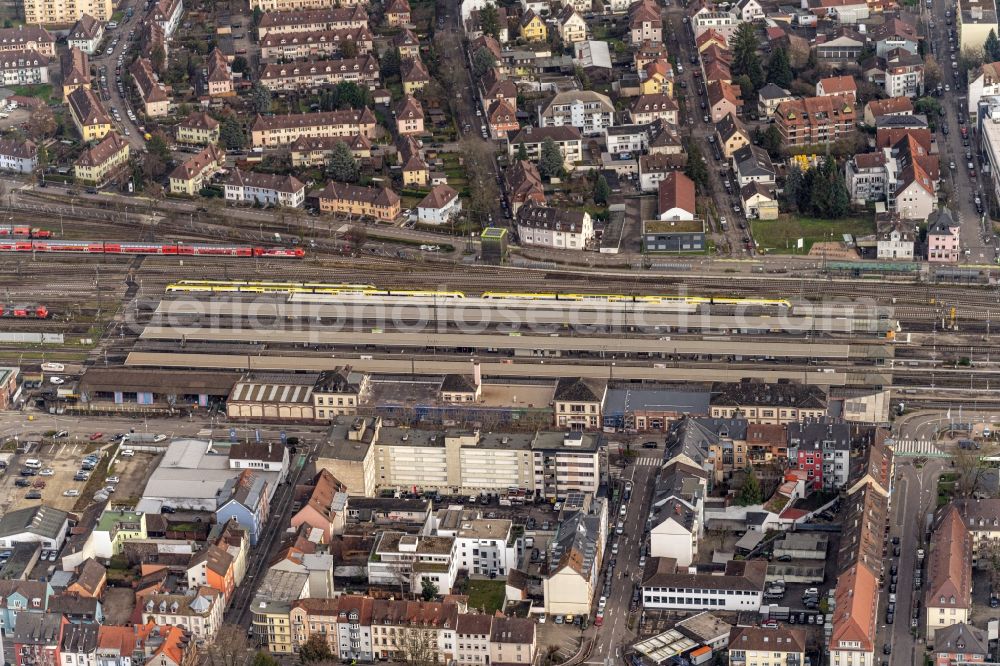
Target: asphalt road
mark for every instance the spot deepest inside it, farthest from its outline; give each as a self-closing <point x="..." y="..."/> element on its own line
<point x="979" y="244"/>
<point x="614" y="635"/>
<point x="117" y="100"/>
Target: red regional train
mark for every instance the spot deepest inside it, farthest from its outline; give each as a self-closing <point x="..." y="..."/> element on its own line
<point x="23" y="230"/>
<point x="24" y="311"/>
<point x="133" y="248"/>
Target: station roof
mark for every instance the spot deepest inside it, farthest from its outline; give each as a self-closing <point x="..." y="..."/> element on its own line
<point x="140" y="380"/>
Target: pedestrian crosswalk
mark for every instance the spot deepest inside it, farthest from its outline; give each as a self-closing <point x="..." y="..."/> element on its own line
<point x="649" y="461"/>
<point x="916" y="447"/>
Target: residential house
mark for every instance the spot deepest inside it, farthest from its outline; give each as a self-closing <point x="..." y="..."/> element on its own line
<point x="197" y="171"/>
<point x="270" y="131"/>
<point x="655" y="167"/>
<point x="219" y="75"/>
<point x="844" y="86"/>
<point x="409" y="116"/>
<point x="577" y="403"/>
<point x="915" y="196"/>
<point x="732" y="135"/>
<point x="855" y="617"/>
<point x="20" y="599"/>
<point x="493" y="86"/>
<point x="960" y="643"/>
<point x="484" y="546"/>
<point x="649" y="108"/>
<point x="166" y="13"/>
<point x="414" y="76"/>
<point x="768" y="99"/>
<point x="501" y="117"/>
<point x="314" y="152"/>
<point x="815" y="120"/>
<point x="362" y="70"/>
<point x="199" y="128"/>
<point x="572" y="28"/>
<point x="895" y="238"/>
<point x="18" y="156"/>
<point x="707" y="18"/>
<point x="379" y="203"/>
<point x="91" y="578"/>
<point x="748" y="10"/>
<point x="440" y="206"/>
<point x="473" y="639"/>
<point x="311" y="20"/>
<point x="75" y="70"/>
<point x="673" y="235"/>
<point x="758" y="402"/>
<point x="522" y="184"/>
<point x="323" y="507"/>
<point x="555" y="228"/>
<point x="822" y="449"/>
<point x="245" y="498"/>
<point x="766" y="646"/>
<point x="982" y="519"/>
<point x="645" y="23"/>
<point x="23" y="68"/>
<point x="656" y="78"/>
<point x="155" y="99"/>
<point x="627" y="139"/>
<point x="893" y="106"/>
<point x="896" y="32"/>
<point x="739" y="588"/>
<point x="397" y="625"/>
<point x="98" y="164"/>
<point x="759" y="202"/>
<point x="677" y="506"/>
<point x="414" y="169"/>
<point x="406" y="561"/>
<point x="590" y="112"/>
<point x="37" y="638"/>
<point x="723" y="100"/>
<point x="576" y="552"/>
<point x="200" y="613"/>
<point x="566" y="137"/>
<point x="397" y="13"/>
<point x="213" y="567"/>
<point x="752" y="164"/>
<point x="867" y="177"/>
<point x="29" y="37"/>
<point x="948" y="599"/>
<point x="264" y="188"/>
<point x="79" y="644"/>
<point x="408" y="45"/>
<point x="513" y="641"/>
<point x="984" y="82"/>
<point x="676" y="198"/>
<point x="904" y="74"/>
<point x="314" y="44"/>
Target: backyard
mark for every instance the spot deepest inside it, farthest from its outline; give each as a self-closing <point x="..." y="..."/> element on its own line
<point x="487" y="595"/>
<point x="781" y="236"/>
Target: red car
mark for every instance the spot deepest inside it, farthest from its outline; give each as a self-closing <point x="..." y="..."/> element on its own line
<point x="39" y="484"/>
<point x="96" y="436"/>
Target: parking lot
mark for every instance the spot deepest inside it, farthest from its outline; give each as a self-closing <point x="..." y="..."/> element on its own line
<point x="54" y="483"/>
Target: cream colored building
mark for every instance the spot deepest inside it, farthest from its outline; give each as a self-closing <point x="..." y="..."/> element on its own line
<point x="367" y="457"/>
<point x="575" y="555"/>
<point x="98" y="163"/>
<point x="273" y="131"/>
<point x="948" y="599"/>
<point x="766" y="646"/>
<point x="191" y="176"/>
<point x="88" y="115"/>
<point x="975" y="19"/>
<point x="292" y="5"/>
<point x="199" y="128"/>
<point x="49" y="12"/>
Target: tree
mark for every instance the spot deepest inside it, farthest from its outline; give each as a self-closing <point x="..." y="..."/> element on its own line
<point x="389" y="65"/>
<point x="489" y="21"/>
<point x="158" y="146"/>
<point x="746" y="86"/>
<point x="260" y="98"/>
<point x="153" y="167"/>
<point x="240" y="64"/>
<point x="550" y="163"/>
<point x="583" y="78"/>
<point x="349" y="49"/>
<point x="232" y="135"/>
<point x="315" y="649"/>
<point x="795" y="187"/>
<point x="483" y="60"/>
<point x="480" y="170"/>
<point x="342" y="166"/>
<point x="695" y="168"/>
<point x="264" y="659"/>
<point x="522" y="152"/>
<point x="771" y="141"/>
<point x="419" y="647"/>
<point x="991" y="48"/>
<point x="602" y="191"/>
<point x="230" y="646"/>
<point x="779" y="69"/>
<point x="257" y="14"/>
<point x="929" y="106"/>
<point x="750" y="494"/>
<point x="428" y="589"/>
<point x="41" y="124"/>
<point x="746" y="60"/>
<point x="971" y="470"/>
<point x="356" y="235"/>
<point x="157" y="58"/>
<point x="933" y="75"/>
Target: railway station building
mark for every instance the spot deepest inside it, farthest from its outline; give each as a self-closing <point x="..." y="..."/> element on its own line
<point x="128" y="389"/>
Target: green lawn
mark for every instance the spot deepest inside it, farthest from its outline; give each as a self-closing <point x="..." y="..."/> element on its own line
<point x="486" y="594"/>
<point x="41" y="91"/>
<point x="780" y="236"/>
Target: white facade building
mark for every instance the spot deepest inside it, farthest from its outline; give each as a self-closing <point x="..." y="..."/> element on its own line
<point x="741" y="588"/>
<point x="590" y="112"/>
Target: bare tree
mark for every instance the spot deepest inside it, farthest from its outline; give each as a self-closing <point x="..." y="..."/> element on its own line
<point x="230" y="647"/>
<point x="481" y="172"/>
<point x="419" y="647"/>
<point x="971" y="471"/>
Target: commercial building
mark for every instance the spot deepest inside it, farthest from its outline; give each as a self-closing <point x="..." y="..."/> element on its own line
<point x="41" y="524"/>
<point x="780" y="402"/>
<point x="678" y="236"/>
<point x="271" y="131"/>
<point x="739" y="588"/>
<point x="98" y="164"/>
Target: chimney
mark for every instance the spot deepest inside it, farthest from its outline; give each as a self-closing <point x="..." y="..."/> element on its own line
<point x="477" y="374"/>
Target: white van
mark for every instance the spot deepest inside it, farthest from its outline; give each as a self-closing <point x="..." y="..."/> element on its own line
<point x="33" y="463"/>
